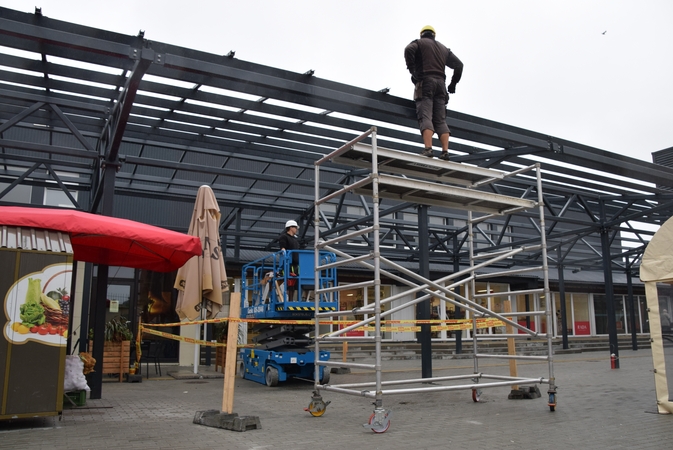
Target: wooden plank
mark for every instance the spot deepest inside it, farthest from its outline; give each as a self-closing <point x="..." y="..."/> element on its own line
<point x="232" y="342"/>
<point x="279" y="291"/>
<point x="511" y="345"/>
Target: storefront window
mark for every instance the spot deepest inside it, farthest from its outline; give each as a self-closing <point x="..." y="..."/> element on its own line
<point x="156" y="304"/>
<point x="348" y="300"/>
<point x="601" y="313"/>
<point x="629" y="320"/>
<point x="526" y="303"/>
<point x="541" y="305"/>
<point x="435" y="314"/>
<point x="581" y="325"/>
<point x="644" y="316"/>
<point x="369" y="299"/>
<point x="494" y="303"/>
<point x="118" y="300"/>
<point x="356" y="298"/>
<point x="569" y="317"/>
<point x="665" y="291"/>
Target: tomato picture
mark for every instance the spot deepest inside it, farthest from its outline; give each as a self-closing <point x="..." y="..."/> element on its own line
<point x="42" y="330"/>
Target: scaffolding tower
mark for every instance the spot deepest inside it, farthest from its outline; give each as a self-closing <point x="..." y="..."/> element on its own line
<point x="427" y="181"/>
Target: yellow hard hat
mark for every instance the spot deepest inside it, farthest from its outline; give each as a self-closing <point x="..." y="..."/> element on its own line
<point x="428" y="28"/>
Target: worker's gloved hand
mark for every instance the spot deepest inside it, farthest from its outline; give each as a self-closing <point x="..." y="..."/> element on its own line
<point x="451" y="88"/>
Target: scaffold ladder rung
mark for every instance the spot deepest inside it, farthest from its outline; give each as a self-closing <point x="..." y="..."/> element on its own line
<point x="497" y="356"/>
<point x="344" y="237"/>
<point x="343" y="287"/>
<point x="345" y="364"/>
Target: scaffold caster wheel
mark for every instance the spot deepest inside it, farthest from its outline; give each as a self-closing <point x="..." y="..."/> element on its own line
<point x="317" y="407"/>
<point x="381" y="423"/>
<point x="240" y="369"/>
<point x="476" y="395"/>
<point x="552" y="402"/>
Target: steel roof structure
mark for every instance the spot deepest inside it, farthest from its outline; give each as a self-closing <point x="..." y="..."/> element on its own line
<point x="134" y="127"/>
<point x="125" y="127"/>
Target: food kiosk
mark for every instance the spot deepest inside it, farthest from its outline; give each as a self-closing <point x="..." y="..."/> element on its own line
<point x="35" y="284"/>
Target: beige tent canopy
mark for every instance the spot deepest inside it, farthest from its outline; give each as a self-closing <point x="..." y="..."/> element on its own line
<point x="657" y="267"/>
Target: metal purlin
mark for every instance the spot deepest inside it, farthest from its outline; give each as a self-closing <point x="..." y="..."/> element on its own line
<point x="380" y="419"/>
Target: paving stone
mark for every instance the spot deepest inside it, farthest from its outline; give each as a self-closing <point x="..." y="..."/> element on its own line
<point x="597" y="408"/>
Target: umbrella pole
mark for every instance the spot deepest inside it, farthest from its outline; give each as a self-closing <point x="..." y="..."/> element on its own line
<point x="197" y="348"/>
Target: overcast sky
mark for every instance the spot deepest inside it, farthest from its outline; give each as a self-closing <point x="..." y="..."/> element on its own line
<point x="594" y="72"/>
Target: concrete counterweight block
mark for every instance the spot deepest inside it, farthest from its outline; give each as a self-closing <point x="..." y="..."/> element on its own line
<point x="524" y="392"/>
<point x="216" y="419"/>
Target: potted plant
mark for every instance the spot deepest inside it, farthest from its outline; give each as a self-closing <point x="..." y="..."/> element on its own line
<point x="117" y="346"/>
<point x="117" y="330"/>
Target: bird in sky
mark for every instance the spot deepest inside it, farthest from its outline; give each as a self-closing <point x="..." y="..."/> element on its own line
<point x="605" y="31"/>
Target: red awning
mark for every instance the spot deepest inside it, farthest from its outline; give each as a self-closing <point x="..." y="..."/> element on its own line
<point x="109" y="240"/>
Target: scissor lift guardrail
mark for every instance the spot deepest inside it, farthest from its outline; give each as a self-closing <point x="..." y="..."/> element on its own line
<point x="414" y="178"/>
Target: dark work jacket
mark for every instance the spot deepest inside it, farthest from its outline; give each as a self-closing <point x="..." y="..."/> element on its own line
<point x="287" y="242"/>
<point x="428" y="57"/>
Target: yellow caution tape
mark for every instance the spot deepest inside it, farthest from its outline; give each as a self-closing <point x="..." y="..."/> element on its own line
<point x="176" y="337"/>
<point x="325" y="322"/>
<point x="436" y="325"/>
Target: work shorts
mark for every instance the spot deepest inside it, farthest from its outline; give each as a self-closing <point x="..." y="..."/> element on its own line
<point x="431" y="98"/>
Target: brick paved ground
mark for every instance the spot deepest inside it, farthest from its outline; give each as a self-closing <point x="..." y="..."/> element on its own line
<point x="598" y="408"/>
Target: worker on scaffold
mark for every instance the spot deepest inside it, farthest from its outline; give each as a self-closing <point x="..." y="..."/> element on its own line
<point x="426" y="59"/>
<point x="288" y="241"/>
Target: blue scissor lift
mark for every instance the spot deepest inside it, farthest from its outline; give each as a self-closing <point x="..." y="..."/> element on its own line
<point x="272" y="290"/>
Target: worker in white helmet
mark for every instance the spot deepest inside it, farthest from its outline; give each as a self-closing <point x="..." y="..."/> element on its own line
<point x="288" y="241"/>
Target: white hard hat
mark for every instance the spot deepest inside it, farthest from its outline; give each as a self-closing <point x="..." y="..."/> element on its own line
<point x="291" y="223"/>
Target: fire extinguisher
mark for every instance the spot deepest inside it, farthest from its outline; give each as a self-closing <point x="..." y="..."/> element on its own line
<point x="613" y="361"/>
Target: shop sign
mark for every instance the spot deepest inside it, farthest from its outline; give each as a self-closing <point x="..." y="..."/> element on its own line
<point x="582" y="328"/>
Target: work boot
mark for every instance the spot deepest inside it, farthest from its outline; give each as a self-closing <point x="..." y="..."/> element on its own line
<point x="444" y="156"/>
<point x="427" y="152"/>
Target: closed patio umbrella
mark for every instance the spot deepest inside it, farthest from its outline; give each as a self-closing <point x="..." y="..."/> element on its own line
<point x="203" y="279"/>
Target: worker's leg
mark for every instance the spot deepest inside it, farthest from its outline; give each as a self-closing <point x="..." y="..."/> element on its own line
<point x="444" y="139"/>
<point x="427" y="138"/>
<point x="424" y="110"/>
<point x="439" y="122"/>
